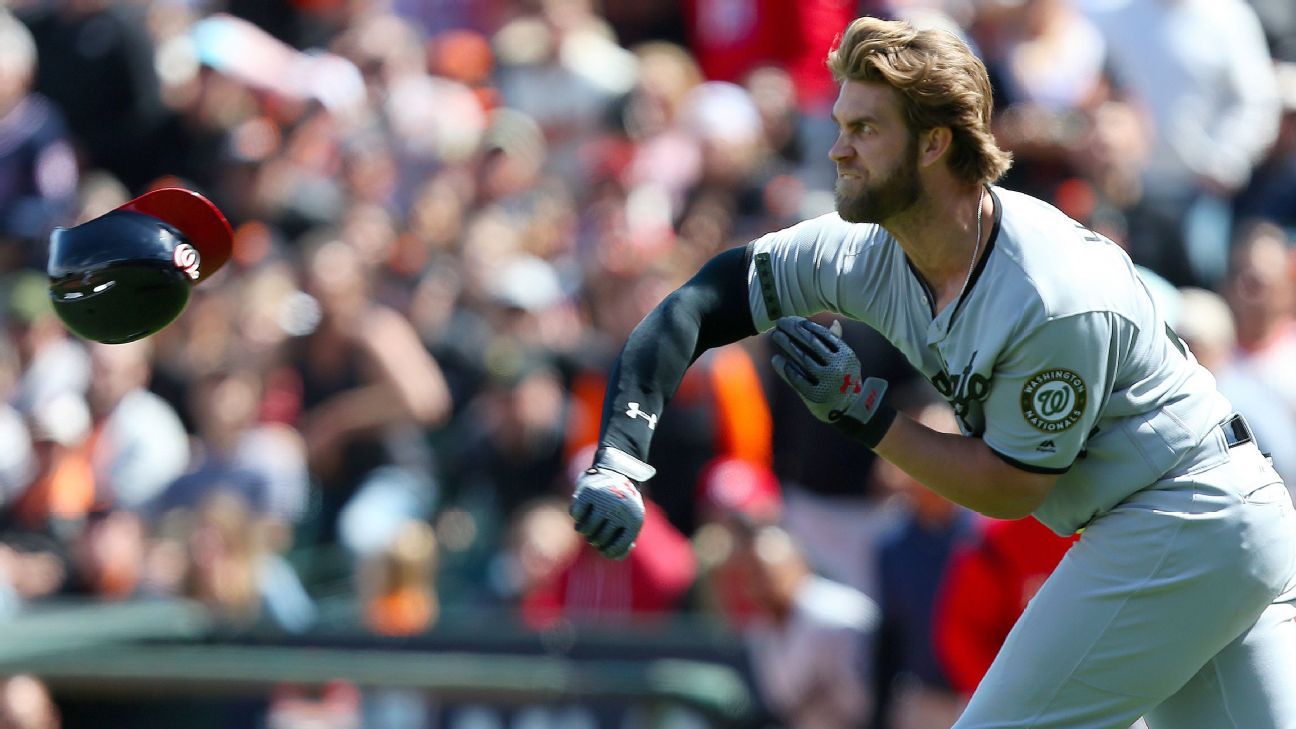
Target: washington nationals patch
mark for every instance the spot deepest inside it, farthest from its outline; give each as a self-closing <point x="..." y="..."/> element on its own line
<point x="1053" y="400"/>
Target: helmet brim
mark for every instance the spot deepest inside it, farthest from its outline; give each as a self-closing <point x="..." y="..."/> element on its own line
<point x="197" y="219"/>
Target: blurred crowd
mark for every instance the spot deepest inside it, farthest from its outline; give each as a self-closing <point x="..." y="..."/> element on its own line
<point x="449" y="214"/>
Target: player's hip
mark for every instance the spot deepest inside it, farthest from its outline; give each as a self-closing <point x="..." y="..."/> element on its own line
<point x="1226" y="470"/>
<point x="1152" y="591"/>
<point x="1234" y="513"/>
<point x="1219" y="468"/>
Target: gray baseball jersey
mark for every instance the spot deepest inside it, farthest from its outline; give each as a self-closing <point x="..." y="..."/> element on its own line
<point x="1055" y="355"/>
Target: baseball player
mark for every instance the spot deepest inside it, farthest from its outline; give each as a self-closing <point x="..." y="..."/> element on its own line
<point x="1076" y="401"/>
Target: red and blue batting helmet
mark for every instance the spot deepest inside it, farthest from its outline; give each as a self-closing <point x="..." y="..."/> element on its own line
<point x="126" y="274"/>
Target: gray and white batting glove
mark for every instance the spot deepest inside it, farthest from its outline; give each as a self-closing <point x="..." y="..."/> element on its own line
<point x="607" y="506"/>
<point x="824" y="371"/>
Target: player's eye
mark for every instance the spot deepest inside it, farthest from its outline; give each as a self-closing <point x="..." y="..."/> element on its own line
<point x="861" y="129"/>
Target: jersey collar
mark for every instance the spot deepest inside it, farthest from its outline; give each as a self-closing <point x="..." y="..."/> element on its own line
<point x="937" y="330"/>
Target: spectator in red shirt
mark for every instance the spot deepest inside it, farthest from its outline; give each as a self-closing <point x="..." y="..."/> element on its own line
<point x="990" y="578"/>
<point x="652" y="580"/>
<point x="730" y="38"/>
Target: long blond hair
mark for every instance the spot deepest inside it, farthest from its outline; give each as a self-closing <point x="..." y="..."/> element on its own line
<point x="940" y="84"/>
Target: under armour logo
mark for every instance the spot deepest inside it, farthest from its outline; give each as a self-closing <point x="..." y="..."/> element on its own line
<point x="847" y="385"/>
<point x="634" y="412"/>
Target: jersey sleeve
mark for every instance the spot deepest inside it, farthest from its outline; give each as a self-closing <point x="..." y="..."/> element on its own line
<point x="799" y="271"/>
<point x="1049" y="389"/>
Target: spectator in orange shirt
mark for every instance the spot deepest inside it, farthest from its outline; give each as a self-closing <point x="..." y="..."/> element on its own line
<point x="399" y="583"/>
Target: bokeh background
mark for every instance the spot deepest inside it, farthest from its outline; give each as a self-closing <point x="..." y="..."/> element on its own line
<point x="333" y="493"/>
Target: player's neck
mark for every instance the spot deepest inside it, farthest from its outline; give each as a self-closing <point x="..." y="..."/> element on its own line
<point x="939" y="234"/>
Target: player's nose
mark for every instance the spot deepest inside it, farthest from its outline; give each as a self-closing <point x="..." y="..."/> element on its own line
<point x="840" y="149"/>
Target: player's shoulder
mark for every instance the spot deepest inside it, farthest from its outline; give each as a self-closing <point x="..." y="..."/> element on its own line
<point x="1025" y="218"/>
<point x="828" y="232"/>
<point x="1059" y="263"/>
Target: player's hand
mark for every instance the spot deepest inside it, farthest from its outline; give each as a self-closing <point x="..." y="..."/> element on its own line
<point x="608" y="510"/>
<point x="824" y="371"/>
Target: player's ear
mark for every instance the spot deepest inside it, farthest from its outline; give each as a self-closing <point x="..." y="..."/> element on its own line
<point x="932" y="144"/>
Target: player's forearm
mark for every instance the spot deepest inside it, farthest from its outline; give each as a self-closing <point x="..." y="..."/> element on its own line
<point x="708" y="311"/>
<point x="963" y="470"/>
<point x="646" y="374"/>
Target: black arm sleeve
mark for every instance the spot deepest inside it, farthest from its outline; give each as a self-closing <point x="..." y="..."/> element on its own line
<point x="709" y="311"/>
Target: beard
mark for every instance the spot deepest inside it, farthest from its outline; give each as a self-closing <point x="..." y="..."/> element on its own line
<point x="887" y="198"/>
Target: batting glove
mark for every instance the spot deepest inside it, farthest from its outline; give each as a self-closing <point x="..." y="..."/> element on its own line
<point x="824" y="371"/>
<point x="607" y="506"/>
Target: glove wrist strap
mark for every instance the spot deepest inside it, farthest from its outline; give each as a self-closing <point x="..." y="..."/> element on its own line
<point x="869" y="419"/>
<point x="614" y="459"/>
<point x="872" y="432"/>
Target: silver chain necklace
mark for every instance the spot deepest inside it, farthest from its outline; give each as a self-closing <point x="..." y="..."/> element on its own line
<point x="976" y="249"/>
